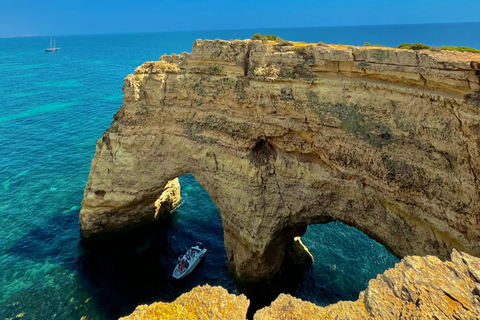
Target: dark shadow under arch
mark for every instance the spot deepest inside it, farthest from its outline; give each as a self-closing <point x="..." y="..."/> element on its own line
<point x="135" y="267"/>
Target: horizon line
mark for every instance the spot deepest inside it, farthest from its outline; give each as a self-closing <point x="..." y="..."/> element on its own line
<point x="234" y="29"/>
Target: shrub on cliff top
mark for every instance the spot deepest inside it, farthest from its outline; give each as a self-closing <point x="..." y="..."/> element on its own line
<point x="415" y="46"/>
<point x="258" y="36"/>
<point x="460" y="49"/>
<point x="273" y="38"/>
<point x="367" y="44"/>
<point x="421" y="46"/>
<point x="267" y="37"/>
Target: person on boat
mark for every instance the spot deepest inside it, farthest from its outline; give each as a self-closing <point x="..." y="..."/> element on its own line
<point x="181" y="265"/>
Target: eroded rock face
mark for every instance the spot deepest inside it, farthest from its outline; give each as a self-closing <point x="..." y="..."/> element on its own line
<point x="417" y="288"/>
<point x="168" y="200"/>
<point x="385" y="140"/>
<point x="203" y="302"/>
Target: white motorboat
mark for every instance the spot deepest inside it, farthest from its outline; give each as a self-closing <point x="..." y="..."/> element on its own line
<point x="188" y="261"/>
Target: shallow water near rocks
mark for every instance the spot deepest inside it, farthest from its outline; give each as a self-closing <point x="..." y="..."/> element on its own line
<point x="54" y="106"/>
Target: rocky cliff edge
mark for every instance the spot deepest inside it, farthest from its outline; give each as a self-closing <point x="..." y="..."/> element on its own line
<point x="416" y="288"/>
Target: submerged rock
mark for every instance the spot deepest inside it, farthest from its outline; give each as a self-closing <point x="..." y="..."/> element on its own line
<point x="416" y="288"/>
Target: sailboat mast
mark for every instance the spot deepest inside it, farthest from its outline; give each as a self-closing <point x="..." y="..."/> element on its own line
<point x="53" y="45"/>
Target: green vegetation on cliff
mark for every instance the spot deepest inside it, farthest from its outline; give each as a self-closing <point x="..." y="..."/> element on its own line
<point x="407" y="46"/>
<point x="415" y="46"/>
<point x="460" y="49"/>
<point x="421" y="46"/>
<point x="268" y="37"/>
<point x="367" y="44"/>
<point x="258" y="36"/>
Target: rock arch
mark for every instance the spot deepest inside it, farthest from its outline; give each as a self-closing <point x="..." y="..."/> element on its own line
<point x="385" y="140"/>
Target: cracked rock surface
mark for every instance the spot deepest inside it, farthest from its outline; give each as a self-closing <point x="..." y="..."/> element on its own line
<point x="417" y="288"/>
<point x="203" y="302"/>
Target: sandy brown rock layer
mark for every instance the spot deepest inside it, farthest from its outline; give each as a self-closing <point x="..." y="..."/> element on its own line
<point x="385" y="140"/>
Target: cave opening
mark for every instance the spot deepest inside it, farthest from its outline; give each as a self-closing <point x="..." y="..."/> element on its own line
<point x="344" y="260"/>
<point x="197" y="219"/>
<point x="135" y="266"/>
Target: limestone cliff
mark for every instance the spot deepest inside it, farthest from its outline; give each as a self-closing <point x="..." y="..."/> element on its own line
<point x="385" y="140"/>
<point x="417" y="288"/>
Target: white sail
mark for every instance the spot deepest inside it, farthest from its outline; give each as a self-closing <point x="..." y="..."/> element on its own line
<point x="52" y="48"/>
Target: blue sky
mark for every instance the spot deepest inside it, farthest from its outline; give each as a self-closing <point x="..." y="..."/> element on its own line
<point x="20" y="17"/>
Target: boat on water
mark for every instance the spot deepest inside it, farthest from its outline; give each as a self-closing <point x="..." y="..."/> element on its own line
<point x="188" y="261"/>
<point x="52" y="48"/>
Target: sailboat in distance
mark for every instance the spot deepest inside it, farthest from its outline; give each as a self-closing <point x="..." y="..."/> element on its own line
<point x="52" y="48"/>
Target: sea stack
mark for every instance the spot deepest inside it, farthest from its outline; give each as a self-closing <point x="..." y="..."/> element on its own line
<point x="283" y="136"/>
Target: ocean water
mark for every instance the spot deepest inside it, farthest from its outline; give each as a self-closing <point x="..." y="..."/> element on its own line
<point x="54" y="106"/>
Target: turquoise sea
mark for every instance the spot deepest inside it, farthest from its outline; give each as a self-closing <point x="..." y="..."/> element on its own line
<point x="54" y="106"/>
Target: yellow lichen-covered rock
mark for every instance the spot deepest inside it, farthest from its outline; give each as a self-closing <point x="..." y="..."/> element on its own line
<point x="203" y="302"/>
<point x="268" y="71"/>
<point x="416" y="288"/>
<point x="382" y="139"/>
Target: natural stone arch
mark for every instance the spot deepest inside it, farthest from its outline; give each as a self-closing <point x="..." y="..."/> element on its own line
<point x="384" y="140"/>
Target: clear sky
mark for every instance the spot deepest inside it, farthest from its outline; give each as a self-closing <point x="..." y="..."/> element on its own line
<point x="20" y="17"/>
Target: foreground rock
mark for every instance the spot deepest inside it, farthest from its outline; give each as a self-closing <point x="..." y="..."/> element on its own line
<point x="385" y="140"/>
<point x="204" y="302"/>
<point x="417" y="288"/>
